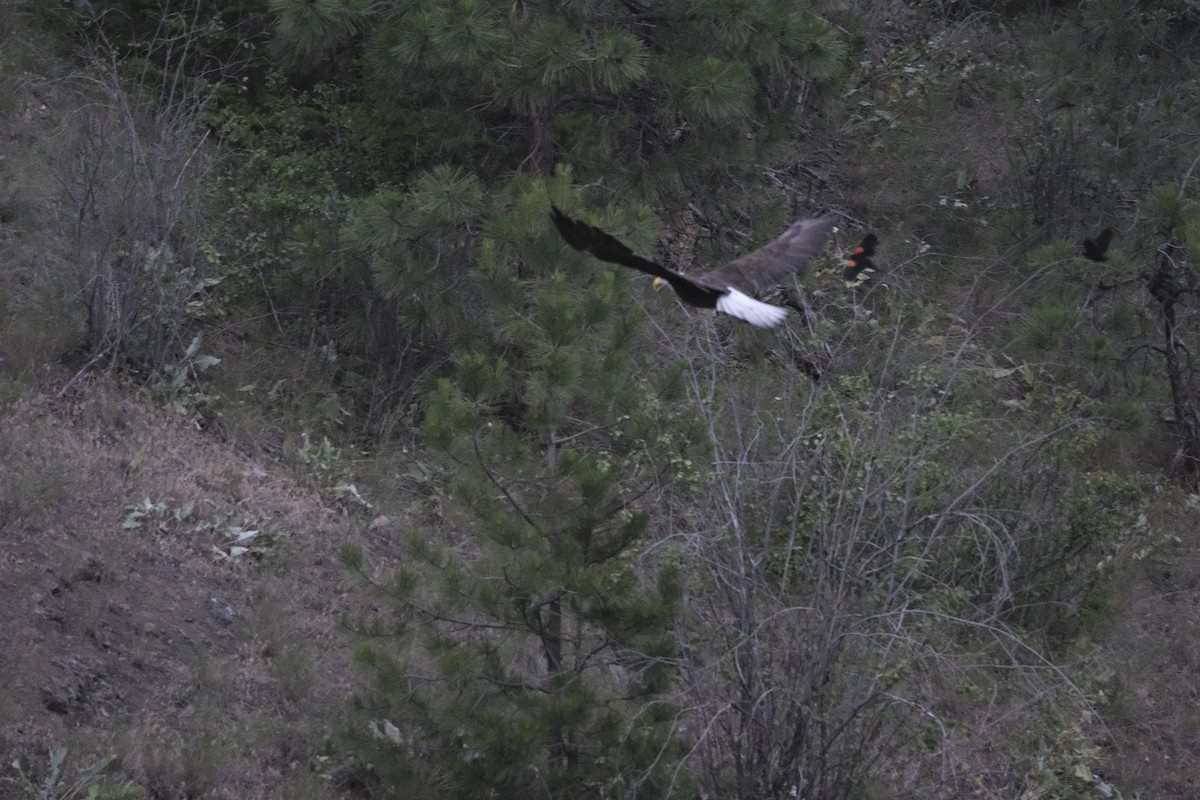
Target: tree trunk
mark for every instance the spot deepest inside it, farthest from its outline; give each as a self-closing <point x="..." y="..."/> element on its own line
<point x="1167" y="285"/>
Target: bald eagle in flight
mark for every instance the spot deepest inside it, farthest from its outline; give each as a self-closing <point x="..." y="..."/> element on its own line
<point x="726" y="288"/>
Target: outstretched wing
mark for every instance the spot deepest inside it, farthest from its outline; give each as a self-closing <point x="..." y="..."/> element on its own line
<point x="767" y="266"/>
<point x="589" y="239"/>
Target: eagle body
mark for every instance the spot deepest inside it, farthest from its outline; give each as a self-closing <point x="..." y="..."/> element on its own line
<point x="726" y="289"/>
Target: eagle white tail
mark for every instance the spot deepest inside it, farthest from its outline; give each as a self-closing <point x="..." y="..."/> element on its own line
<point x="761" y="315"/>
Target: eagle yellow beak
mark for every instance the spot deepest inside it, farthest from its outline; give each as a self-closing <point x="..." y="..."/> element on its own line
<point x="658" y="284"/>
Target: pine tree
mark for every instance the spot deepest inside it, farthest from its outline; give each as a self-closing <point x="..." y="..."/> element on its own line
<point x="537" y="648"/>
<point x="677" y="104"/>
<point x="687" y="90"/>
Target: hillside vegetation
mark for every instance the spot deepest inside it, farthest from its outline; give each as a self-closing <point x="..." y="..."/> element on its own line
<point x="329" y="470"/>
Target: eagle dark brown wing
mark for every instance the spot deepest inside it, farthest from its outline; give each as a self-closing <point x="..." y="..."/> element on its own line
<point x="606" y="247"/>
<point x="602" y="245"/>
<point x="767" y="266"/>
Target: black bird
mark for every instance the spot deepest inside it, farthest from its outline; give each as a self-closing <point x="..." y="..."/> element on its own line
<point x="727" y="288"/>
<point x="1097" y="249"/>
<point x="859" y="265"/>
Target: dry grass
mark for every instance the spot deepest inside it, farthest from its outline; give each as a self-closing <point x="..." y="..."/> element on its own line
<point x="208" y="677"/>
<point x="1153" y="649"/>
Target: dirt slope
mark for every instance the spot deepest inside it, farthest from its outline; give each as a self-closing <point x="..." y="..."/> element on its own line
<point x="207" y="676"/>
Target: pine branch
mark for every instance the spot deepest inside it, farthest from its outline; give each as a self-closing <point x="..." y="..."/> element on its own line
<point x="503" y="489"/>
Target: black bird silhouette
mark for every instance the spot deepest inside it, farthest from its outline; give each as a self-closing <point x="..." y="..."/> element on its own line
<point x="1097" y="249"/>
<point x="859" y="265"/>
<point x="727" y="288"/>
